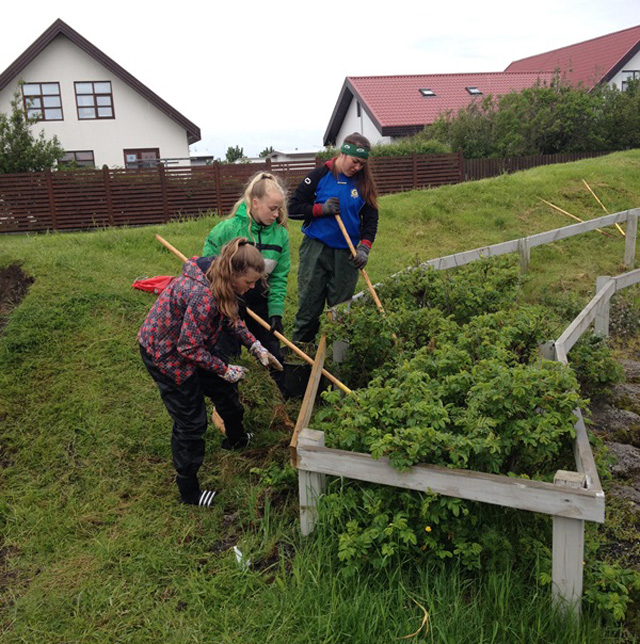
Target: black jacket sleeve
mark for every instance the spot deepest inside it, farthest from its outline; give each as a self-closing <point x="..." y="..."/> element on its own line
<point x="368" y="223"/>
<point x="303" y="199"/>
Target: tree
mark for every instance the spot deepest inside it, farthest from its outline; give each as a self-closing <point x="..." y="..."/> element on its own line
<point x="234" y="153"/>
<point x="20" y="150"/>
<point x="266" y="152"/>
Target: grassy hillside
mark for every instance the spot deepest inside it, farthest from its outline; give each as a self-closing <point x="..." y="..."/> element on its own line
<point x="96" y="547"/>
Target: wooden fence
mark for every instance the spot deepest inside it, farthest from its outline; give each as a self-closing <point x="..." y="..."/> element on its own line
<point x="85" y="199"/>
<point x="475" y="169"/>
<point x="574" y="496"/>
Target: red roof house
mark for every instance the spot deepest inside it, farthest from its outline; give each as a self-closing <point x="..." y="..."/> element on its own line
<point x="387" y="107"/>
<point x="589" y="63"/>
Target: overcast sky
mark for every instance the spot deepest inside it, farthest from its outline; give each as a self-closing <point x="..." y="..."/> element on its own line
<point x="268" y="73"/>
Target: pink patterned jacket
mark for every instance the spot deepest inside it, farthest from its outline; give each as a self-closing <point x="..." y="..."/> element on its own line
<point x="183" y="326"/>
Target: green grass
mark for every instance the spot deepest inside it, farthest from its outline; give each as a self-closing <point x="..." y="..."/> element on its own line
<point x="96" y="548"/>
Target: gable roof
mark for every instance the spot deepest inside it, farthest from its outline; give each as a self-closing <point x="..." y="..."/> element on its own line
<point x="60" y="28"/>
<point x="588" y="63"/>
<point x="397" y="107"/>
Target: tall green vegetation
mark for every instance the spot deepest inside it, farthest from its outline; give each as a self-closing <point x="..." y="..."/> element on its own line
<point x="20" y="149"/>
<point x="544" y="119"/>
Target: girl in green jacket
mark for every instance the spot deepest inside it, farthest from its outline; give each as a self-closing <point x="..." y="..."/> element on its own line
<point x="261" y="216"/>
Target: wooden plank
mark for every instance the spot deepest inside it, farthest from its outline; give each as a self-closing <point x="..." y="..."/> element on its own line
<point x="310" y="484"/>
<point x="627" y="279"/>
<point x="581" y="323"/>
<point x="522" y="494"/>
<point x="585" y="462"/>
<point x="568" y="552"/>
<point x="306" y="409"/>
<point x="631" y="238"/>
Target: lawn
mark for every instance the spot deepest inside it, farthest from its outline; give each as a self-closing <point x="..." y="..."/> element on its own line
<point x="95" y="546"/>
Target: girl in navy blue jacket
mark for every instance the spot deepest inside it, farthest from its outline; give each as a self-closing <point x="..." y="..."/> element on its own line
<point x="327" y="272"/>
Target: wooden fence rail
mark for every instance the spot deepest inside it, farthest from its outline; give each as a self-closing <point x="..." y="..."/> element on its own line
<point x="85" y="199"/>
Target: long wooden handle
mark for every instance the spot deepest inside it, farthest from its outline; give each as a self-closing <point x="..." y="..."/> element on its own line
<point x="173" y="249"/>
<point x="374" y="295"/>
<point x="564" y="212"/>
<point x="266" y="325"/>
<point x="298" y="351"/>
<point x="603" y="206"/>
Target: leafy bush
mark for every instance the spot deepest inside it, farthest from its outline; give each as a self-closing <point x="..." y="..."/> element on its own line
<point x="463" y="386"/>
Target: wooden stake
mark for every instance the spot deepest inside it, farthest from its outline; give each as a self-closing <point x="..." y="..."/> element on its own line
<point x="603" y="207"/>
<point x="564" y="212"/>
<point x="266" y="325"/>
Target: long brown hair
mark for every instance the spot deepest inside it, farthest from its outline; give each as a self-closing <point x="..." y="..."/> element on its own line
<point x="236" y="258"/>
<point x="364" y="179"/>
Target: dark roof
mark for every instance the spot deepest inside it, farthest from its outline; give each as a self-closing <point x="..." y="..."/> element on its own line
<point x="60" y="28"/>
<point x="588" y="63"/>
<point x="397" y="107"/>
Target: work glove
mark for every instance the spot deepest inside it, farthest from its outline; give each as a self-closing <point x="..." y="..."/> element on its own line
<point x="331" y="207"/>
<point x="276" y="323"/>
<point x="361" y="257"/>
<point x="234" y="373"/>
<point x="263" y="356"/>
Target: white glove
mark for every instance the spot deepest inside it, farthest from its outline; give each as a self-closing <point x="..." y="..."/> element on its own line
<point x="263" y="356"/>
<point x="234" y="373"/>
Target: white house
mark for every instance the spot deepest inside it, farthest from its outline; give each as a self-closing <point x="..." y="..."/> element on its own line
<point x="101" y="114"/>
<point x="386" y="108"/>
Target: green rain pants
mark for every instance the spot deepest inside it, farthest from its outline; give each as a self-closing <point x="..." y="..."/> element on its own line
<point x="324" y="275"/>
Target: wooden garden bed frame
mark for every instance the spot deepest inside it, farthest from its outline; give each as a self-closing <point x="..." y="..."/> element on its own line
<point x="574" y="496"/>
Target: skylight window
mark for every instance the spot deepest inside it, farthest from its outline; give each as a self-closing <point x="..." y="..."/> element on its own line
<point x="474" y="91"/>
<point x="427" y="92"/>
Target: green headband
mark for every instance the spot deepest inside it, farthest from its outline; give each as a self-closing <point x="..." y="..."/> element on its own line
<point x="355" y="150"/>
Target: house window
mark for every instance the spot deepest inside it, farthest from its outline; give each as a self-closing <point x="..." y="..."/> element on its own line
<point x="629" y="74"/>
<point x="77" y="159"/>
<point x="42" y="101"/>
<point x="474" y="91"/>
<point x="427" y="92"/>
<point x="94" y="100"/>
<point x="141" y="158"/>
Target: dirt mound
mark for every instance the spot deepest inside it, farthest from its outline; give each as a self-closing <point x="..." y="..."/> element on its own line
<point x="14" y="284"/>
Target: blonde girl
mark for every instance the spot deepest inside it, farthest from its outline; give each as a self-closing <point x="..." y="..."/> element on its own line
<point x="260" y="215"/>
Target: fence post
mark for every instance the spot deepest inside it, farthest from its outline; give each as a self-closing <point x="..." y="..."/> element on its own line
<point x="52" y="199"/>
<point x="106" y="179"/>
<point x="601" y="321"/>
<point x="310" y="484"/>
<point x="414" y="170"/>
<point x="461" y="165"/>
<point x="568" y="549"/>
<point x="216" y="174"/>
<point x="524" y="253"/>
<point x="631" y="237"/>
<point x="163" y="190"/>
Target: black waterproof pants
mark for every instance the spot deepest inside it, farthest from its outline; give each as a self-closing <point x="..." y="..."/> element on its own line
<point x="186" y="405"/>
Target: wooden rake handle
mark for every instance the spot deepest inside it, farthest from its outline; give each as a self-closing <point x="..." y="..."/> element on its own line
<point x="374" y="295"/>
<point x="266" y="325"/>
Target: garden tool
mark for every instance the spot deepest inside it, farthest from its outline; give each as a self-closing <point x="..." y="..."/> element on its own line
<point x="266" y="325"/>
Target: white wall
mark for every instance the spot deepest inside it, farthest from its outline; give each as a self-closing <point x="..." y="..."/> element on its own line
<point x="137" y="123"/>
<point x="362" y="124"/>
<point x="632" y="65"/>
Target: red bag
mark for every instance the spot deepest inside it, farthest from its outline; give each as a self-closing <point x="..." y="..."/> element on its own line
<point x="153" y="284"/>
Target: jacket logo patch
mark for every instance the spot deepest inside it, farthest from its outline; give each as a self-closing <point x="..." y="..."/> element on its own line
<point x="354" y="193"/>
